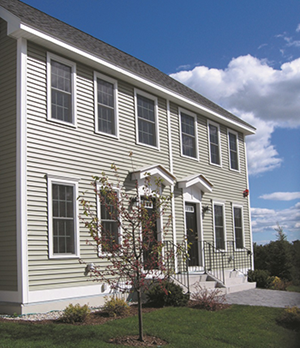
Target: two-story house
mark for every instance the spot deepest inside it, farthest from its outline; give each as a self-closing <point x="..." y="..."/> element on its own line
<point x="70" y="105"/>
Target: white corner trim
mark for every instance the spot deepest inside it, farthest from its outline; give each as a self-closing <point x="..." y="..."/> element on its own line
<point x="249" y="206"/>
<point x="21" y="175"/>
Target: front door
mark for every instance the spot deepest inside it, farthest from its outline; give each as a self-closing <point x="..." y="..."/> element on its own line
<point x="192" y="233"/>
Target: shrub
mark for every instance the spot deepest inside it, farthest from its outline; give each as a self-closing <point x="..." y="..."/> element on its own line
<point x="276" y="283"/>
<point x="116" y="307"/>
<point x="75" y="314"/>
<point x="166" y="294"/>
<point x="261" y="277"/>
<point x="290" y="318"/>
<point x="209" y="299"/>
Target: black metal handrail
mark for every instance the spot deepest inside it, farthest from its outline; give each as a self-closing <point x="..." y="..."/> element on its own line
<point x="177" y="263"/>
<point x="216" y="261"/>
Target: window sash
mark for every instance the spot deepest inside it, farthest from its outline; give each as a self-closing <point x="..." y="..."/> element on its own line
<point x="109" y="226"/>
<point x="188" y="136"/>
<point x="233" y="151"/>
<point x="63" y="219"/>
<point x="214" y="144"/>
<point x="238" y="228"/>
<point x="106" y="107"/>
<point x="219" y="227"/>
<point x="61" y="91"/>
<point x="146" y="120"/>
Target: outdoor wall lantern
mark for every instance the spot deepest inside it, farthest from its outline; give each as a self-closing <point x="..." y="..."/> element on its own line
<point x="246" y="193"/>
<point x="205" y="209"/>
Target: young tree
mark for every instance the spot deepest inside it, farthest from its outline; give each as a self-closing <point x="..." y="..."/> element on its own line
<point x="128" y="235"/>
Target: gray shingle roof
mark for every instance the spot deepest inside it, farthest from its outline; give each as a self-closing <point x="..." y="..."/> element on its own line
<point x="88" y="43"/>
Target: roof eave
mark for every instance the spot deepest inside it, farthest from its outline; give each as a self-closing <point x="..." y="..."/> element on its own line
<point x="18" y="29"/>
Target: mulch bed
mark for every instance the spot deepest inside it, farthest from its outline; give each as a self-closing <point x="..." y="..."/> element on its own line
<point x="101" y="317"/>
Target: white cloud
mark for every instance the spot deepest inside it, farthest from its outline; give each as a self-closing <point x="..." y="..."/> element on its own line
<point x="250" y="85"/>
<point x="260" y="94"/>
<point x="281" y="196"/>
<point x="262" y="155"/>
<point x="298" y="28"/>
<point x="265" y="220"/>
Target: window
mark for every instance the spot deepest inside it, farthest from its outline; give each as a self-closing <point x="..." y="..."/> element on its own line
<point x="188" y="135"/>
<point x="233" y="150"/>
<point x="214" y="144"/>
<point x="63" y="224"/>
<point x="105" y="104"/>
<point x="61" y="89"/>
<point x="219" y="226"/>
<point x="147" y="123"/>
<point x="150" y="235"/>
<point x="108" y="217"/>
<point x="238" y="227"/>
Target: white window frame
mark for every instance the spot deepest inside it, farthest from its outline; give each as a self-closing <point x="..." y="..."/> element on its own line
<point x="237" y="150"/>
<point x="114" y="82"/>
<point x="117" y="190"/>
<point x="54" y="179"/>
<point x="233" y="222"/>
<point x="219" y="140"/>
<point x="151" y="97"/>
<point x="72" y="65"/>
<point x="188" y="113"/>
<point x="219" y="203"/>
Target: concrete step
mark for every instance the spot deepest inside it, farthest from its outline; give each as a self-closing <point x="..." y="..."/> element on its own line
<point x="235" y="281"/>
<point x="240" y="287"/>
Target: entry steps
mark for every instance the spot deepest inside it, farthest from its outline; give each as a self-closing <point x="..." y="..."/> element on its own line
<point x="235" y="281"/>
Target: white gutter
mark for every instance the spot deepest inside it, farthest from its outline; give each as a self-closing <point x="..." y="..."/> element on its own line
<point x="18" y="29"/>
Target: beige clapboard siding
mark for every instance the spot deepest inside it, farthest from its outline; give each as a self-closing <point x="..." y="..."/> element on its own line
<point x="228" y="185"/>
<point x="80" y="152"/>
<point x="8" y="247"/>
<point x="53" y="148"/>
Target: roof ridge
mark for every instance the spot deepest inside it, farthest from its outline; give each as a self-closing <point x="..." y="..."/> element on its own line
<point x="89" y="43"/>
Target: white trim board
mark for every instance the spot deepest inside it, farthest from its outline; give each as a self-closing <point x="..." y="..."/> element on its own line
<point x="18" y="29"/>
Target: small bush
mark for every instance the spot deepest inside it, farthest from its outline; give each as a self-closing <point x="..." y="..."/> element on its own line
<point x="75" y="314"/>
<point x="290" y="318"/>
<point x="166" y="294"/>
<point x="261" y="277"/>
<point x="211" y="300"/>
<point x="116" y="307"/>
<point x="276" y="283"/>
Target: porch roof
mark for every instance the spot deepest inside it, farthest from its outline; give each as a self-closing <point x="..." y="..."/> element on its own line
<point x="156" y="170"/>
<point x="197" y="180"/>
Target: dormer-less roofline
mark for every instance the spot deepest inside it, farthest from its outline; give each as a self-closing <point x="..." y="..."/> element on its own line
<point x="130" y="69"/>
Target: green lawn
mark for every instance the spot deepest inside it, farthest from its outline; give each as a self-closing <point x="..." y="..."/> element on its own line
<point x="294" y="288"/>
<point x="237" y="326"/>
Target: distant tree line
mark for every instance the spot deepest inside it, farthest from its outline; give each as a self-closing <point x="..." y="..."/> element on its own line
<point x="279" y="258"/>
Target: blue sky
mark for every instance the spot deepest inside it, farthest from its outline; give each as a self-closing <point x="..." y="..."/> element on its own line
<point x="243" y="55"/>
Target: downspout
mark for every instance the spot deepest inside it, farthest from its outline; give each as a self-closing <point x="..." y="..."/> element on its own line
<point x="171" y="170"/>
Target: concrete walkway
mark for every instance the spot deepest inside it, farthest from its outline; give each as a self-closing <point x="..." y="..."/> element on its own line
<point x="267" y="298"/>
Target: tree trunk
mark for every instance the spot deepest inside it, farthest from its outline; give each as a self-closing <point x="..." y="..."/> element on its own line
<point x="140" y="316"/>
